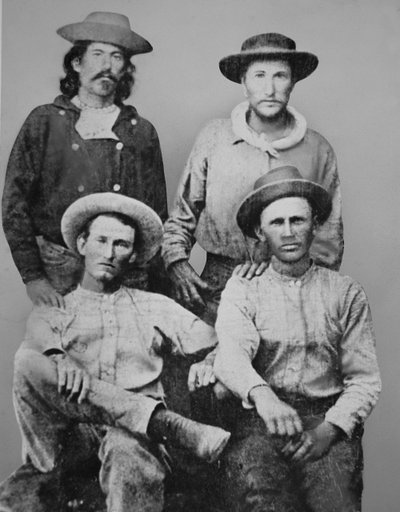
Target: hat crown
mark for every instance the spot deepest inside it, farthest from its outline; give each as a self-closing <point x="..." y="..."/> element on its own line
<point x="108" y="18"/>
<point x="286" y="172"/>
<point x="268" y="40"/>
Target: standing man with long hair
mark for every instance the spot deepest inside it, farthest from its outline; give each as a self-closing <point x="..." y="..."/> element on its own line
<point x="86" y="141"/>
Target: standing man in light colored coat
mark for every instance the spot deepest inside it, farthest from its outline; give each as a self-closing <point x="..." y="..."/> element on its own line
<point x="229" y="155"/>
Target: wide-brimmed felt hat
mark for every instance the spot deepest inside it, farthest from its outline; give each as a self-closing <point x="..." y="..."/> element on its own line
<point x="149" y="226"/>
<point x="268" y="46"/>
<point x="106" y="27"/>
<point x="285" y="181"/>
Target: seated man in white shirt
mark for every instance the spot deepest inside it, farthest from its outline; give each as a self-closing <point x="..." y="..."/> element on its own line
<point x="98" y="362"/>
<point x="296" y="345"/>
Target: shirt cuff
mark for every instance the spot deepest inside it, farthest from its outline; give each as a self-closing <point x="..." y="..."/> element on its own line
<point x="170" y="255"/>
<point x="31" y="275"/>
<point x="255" y="381"/>
<point x="343" y="421"/>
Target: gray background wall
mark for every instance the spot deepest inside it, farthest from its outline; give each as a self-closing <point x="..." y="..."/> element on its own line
<point x="353" y="99"/>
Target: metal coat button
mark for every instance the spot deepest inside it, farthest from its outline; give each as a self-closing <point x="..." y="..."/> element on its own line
<point x="75" y="146"/>
<point x="119" y="145"/>
<point x="133" y="121"/>
<point x="62" y="112"/>
<point x="117" y="187"/>
<point x="81" y="188"/>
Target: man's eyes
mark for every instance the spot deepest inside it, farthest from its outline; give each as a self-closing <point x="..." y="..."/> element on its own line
<point x="116" y="56"/>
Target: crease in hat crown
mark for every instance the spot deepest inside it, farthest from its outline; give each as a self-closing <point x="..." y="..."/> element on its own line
<point x="106" y="27"/>
<point x="281" y="182"/>
<point x="86" y="208"/>
<point x="271" y="45"/>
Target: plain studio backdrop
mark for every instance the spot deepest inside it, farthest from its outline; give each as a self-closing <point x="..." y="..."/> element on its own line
<point x="352" y="99"/>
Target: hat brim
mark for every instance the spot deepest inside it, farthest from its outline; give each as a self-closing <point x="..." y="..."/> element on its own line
<point x="149" y="226"/>
<point x="248" y="215"/>
<point x="101" y="32"/>
<point x="302" y="63"/>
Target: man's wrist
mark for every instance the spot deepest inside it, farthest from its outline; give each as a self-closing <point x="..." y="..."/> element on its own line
<point x="34" y="279"/>
<point x="333" y="431"/>
<point x="260" y="392"/>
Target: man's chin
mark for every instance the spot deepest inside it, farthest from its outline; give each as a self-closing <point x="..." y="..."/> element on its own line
<point x="270" y="114"/>
<point x="105" y="276"/>
<point x="290" y="257"/>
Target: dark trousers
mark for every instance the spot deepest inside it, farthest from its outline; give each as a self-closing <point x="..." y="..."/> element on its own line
<point x="257" y="478"/>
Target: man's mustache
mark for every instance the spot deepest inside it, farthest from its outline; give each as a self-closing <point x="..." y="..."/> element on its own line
<point x="103" y="74"/>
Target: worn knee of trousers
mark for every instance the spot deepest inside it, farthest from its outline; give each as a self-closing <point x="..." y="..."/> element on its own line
<point x="256" y="476"/>
<point x="31" y="367"/>
<point x="130" y="472"/>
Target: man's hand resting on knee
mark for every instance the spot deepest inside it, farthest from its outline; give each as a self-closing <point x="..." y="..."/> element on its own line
<point x="73" y="381"/>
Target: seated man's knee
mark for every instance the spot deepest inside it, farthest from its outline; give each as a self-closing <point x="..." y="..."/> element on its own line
<point x="31" y="366"/>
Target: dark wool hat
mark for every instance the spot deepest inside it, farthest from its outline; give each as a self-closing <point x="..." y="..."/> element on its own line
<point x="281" y="182"/>
<point x="268" y="46"/>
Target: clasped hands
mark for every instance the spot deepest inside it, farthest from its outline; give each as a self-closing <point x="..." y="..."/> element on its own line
<point x="282" y="420"/>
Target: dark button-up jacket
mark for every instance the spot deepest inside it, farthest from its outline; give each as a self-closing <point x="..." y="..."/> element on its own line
<point x="51" y="166"/>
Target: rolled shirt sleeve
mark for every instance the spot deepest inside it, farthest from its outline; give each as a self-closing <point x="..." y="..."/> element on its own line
<point x="44" y="329"/>
<point x="183" y="332"/>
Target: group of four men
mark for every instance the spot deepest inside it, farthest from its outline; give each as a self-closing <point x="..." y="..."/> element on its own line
<point x="292" y="355"/>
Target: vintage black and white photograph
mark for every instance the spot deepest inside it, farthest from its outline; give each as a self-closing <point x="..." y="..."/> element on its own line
<point x="199" y="278"/>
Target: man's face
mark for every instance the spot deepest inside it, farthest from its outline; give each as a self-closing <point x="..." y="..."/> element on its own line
<point x="267" y="86"/>
<point x="287" y="225"/>
<point x="100" y="69"/>
<point x="107" y="249"/>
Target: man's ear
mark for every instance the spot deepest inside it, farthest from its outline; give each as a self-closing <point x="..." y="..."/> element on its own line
<point x="76" y="64"/>
<point x="133" y="257"/>
<point x="259" y="233"/>
<point x="81" y="244"/>
<point x="244" y="88"/>
<point x="315" y="225"/>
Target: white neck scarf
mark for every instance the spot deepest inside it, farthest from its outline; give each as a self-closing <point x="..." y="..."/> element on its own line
<point x="96" y="123"/>
<point x="245" y="132"/>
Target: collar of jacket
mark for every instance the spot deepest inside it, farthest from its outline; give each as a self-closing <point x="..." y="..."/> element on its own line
<point x="128" y="112"/>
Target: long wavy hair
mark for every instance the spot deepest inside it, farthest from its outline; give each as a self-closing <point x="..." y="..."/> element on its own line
<point x="69" y="85"/>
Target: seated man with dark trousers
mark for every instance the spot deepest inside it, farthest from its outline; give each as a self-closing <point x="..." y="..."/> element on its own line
<point x="296" y="345"/>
